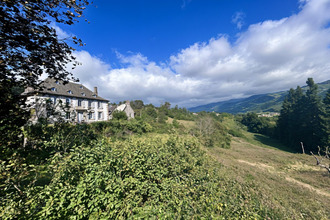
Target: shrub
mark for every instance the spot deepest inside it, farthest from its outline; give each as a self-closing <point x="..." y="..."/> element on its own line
<point x="119" y="115"/>
<point x="159" y="176"/>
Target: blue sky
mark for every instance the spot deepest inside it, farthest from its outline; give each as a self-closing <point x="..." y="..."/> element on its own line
<point x="159" y="28"/>
<point x="193" y="52"/>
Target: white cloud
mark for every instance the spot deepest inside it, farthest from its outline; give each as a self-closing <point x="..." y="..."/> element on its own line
<point x="141" y="79"/>
<point x="238" y="19"/>
<point x="60" y="32"/>
<point x="269" y="56"/>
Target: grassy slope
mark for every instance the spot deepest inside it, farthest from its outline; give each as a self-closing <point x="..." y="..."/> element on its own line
<point x="283" y="180"/>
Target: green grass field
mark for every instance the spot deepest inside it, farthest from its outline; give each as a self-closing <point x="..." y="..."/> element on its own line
<point x="289" y="182"/>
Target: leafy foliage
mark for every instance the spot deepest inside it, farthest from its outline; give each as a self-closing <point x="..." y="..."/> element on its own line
<point x="163" y="176"/>
<point x="12" y="118"/>
<point x="211" y="132"/>
<point x="30" y="47"/>
<point x="119" y="115"/>
<point x="257" y="124"/>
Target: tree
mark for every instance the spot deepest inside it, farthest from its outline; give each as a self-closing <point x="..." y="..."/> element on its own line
<point x="29" y="47"/>
<point x="326" y="120"/>
<point x="211" y="132"/>
<point x="289" y="122"/>
<point x="12" y="118"/>
<point x="311" y="132"/>
<point x="164" y="108"/>
<point x="137" y="104"/>
<point x="301" y="118"/>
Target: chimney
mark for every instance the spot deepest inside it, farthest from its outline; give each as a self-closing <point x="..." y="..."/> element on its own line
<point x="127" y="102"/>
<point x="28" y="90"/>
<point x="95" y="90"/>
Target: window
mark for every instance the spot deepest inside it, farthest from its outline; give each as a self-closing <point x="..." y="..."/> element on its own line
<point x="94" y="96"/>
<point x="100" y="115"/>
<point x="79" y="102"/>
<point x="99" y="104"/>
<point x="67" y="115"/>
<point x="67" y="101"/>
<point x="89" y="103"/>
<point x="53" y="89"/>
<point x="51" y="100"/>
<point x="83" y="94"/>
<point x="91" y="115"/>
<point x="81" y="87"/>
<point x="70" y="92"/>
<point x="57" y="82"/>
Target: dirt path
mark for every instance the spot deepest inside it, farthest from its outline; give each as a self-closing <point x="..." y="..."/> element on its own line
<point x="307" y="186"/>
<point x="269" y="165"/>
<point x="287" y="178"/>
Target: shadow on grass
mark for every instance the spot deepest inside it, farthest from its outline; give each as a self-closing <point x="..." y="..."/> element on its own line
<point x="273" y="143"/>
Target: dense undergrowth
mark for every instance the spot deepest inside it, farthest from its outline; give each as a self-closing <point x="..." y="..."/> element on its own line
<point x="154" y="176"/>
<point x="123" y="169"/>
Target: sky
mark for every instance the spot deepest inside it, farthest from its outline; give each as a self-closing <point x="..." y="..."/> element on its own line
<point x="195" y="52"/>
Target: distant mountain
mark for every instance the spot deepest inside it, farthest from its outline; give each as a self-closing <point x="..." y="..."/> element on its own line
<point x="271" y="102"/>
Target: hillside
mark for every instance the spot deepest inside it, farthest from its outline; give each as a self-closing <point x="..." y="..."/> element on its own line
<point x="204" y="166"/>
<point x="271" y="102"/>
<point x="289" y="182"/>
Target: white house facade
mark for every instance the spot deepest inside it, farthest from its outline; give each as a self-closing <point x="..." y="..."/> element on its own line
<point x="71" y="102"/>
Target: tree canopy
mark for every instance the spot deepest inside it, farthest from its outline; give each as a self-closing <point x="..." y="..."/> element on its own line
<point x="30" y="47"/>
<point x="303" y="119"/>
<point x="29" y="42"/>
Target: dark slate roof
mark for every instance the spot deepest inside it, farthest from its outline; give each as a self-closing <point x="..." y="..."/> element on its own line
<point x="54" y="87"/>
<point x="112" y="108"/>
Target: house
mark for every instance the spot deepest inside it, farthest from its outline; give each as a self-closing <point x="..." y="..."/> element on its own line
<point x="269" y="114"/>
<point x="126" y="107"/>
<point x="71" y="101"/>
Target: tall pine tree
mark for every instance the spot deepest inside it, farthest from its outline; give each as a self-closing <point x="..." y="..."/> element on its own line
<point x="311" y="121"/>
<point x="302" y="119"/>
<point x="289" y="120"/>
<point x="326" y="120"/>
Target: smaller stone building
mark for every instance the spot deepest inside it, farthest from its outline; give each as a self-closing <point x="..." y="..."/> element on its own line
<point x="126" y="107"/>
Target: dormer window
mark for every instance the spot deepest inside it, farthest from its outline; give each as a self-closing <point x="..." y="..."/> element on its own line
<point x="70" y="92"/>
<point x="81" y="87"/>
<point x="57" y="82"/>
<point x="83" y="94"/>
<point x="53" y="89"/>
<point x="94" y="96"/>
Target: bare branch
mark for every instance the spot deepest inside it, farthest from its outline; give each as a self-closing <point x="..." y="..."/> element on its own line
<point x="319" y="162"/>
<point x="302" y="147"/>
<point x="16" y="187"/>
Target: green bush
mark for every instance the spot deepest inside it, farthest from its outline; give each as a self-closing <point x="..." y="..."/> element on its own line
<point x="158" y="176"/>
<point x="236" y="133"/>
<point x="43" y="140"/>
<point x="259" y="125"/>
<point x="119" y="115"/>
<point x="211" y="132"/>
